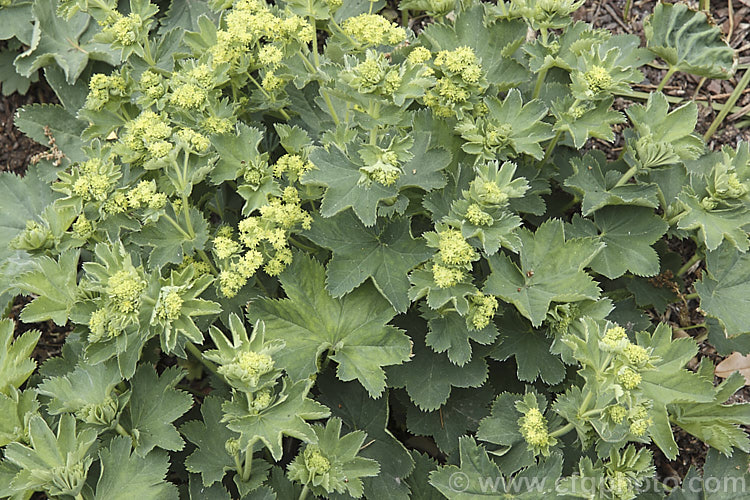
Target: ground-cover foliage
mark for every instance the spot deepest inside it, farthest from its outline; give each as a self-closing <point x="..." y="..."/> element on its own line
<point x="291" y="238"/>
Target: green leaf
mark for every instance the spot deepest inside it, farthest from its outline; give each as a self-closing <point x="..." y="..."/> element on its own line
<point x="476" y="477"/>
<point x="429" y="376"/>
<point x="492" y="42"/>
<point x="286" y="417"/>
<point x="716" y="423"/>
<point x="343" y="179"/>
<point x="341" y="176"/>
<point x="17" y="21"/>
<point x="54" y="463"/>
<point x="154" y="405"/>
<point x="385" y="252"/>
<point x="15" y="365"/>
<point x="551" y="270"/>
<point x="236" y="152"/>
<point x="418" y="480"/>
<point x="86" y="386"/>
<point x="67" y="43"/>
<point x="628" y="233"/>
<point x="346" y="469"/>
<point x="124" y="475"/>
<point x="199" y="491"/>
<point x="210" y="459"/>
<point x="725" y="290"/>
<point x="16" y="408"/>
<point x="449" y="332"/>
<point x="55" y="284"/>
<point x="65" y="128"/>
<point x="688" y="41"/>
<point x="724" y="478"/>
<point x="185" y="15"/>
<point x="594" y="122"/>
<point x="460" y="415"/>
<point x="171" y="244"/>
<point x="669" y="382"/>
<point x="715" y="226"/>
<point x="531" y="348"/>
<point x="351" y="403"/>
<point x="312" y="322"/>
<point x="595" y="179"/>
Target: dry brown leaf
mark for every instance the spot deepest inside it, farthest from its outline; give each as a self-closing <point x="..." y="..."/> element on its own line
<point x="736" y="362"/>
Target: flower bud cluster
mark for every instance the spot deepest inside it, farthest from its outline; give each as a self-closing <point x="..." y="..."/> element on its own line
<point x="292" y="165"/>
<point x="146" y="136"/>
<point x="454" y="258"/>
<point x="372" y="30"/>
<point x="482" y="309"/>
<point x="533" y="428"/>
<point x="36" y="236"/>
<point x="254" y="35"/>
<point x="104" y="413"/>
<point x="143" y="195"/>
<point x="123" y="30"/>
<point x="102" y="88"/>
<point x="629" y="358"/>
<point x="169" y="306"/>
<point x="263" y="241"/>
<point x="92" y="180"/>
<point x="460" y="79"/>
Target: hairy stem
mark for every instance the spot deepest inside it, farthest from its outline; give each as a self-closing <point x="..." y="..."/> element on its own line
<point x="305" y="489"/>
<point x="122" y="432"/>
<point x="550" y="148"/>
<point x="539" y="81"/>
<point x="193" y="349"/>
<point x="736" y="93"/>
<point x="695" y="258"/>
<point x="248" y="464"/>
<point x="666" y="78"/>
<point x="626" y="176"/>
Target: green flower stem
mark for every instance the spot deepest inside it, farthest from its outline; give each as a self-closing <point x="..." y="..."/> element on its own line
<point x="301" y="246"/>
<point x="305" y="489"/>
<point x="736" y="93"/>
<point x="193" y="349"/>
<point x="691" y="296"/>
<point x="204" y="258"/>
<point x="550" y="148"/>
<point x="329" y="104"/>
<point x="177" y="226"/>
<point x="695" y="258"/>
<point x="267" y="95"/>
<point x="539" y="81"/>
<point x="79" y="497"/>
<point x="562" y="430"/>
<point x="316" y="56"/>
<point x="666" y="78"/>
<point x="147" y="53"/>
<point x="581" y="412"/>
<point x="238" y="465"/>
<point x="693" y="327"/>
<point x="122" y="432"/>
<point x="248" y="464"/>
<point x="626" y="176"/>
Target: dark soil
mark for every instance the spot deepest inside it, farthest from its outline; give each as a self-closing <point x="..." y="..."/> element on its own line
<point x="16" y="150"/>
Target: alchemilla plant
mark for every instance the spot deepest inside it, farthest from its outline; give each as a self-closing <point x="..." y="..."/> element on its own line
<point x="304" y="251"/>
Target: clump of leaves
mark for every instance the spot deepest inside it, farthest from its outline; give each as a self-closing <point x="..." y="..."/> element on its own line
<point x="291" y="239"/>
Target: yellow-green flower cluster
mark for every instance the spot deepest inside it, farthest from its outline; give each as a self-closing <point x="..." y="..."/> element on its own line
<point x="453" y="259"/>
<point x="617" y="413"/>
<point x="143" y="195"/>
<point x="461" y="80"/>
<point x="102" y="88"/>
<point x="292" y="165"/>
<point x="370" y="30"/>
<point x="640" y="422"/>
<point x="169" y="305"/>
<point x="598" y="79"/>
<point x="615" y="339"/>
<point x="152" y="84"/>
<point x="419" y="55"/>
<point x="190" y="87"/>
<point x="482" y="309"/>
<point x="315" y="462"/>
<point x="124" y="289"/>
<point x="533" y="427"/>
<point x="264" y="242"/>
<point x="196" y="141"/>
<point x="94" y="179"/>
<point x="478" y="217"/>
<point x="82" y="227"/>
<point x="125" y="30"/>
<point x="249" y="24"/>
<point x="148" y="133"/>
<point x="629" y="378"/>
<point x="248" y="367"/>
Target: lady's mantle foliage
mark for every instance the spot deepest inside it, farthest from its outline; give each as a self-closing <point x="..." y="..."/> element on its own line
<point x="406" y="222"/>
